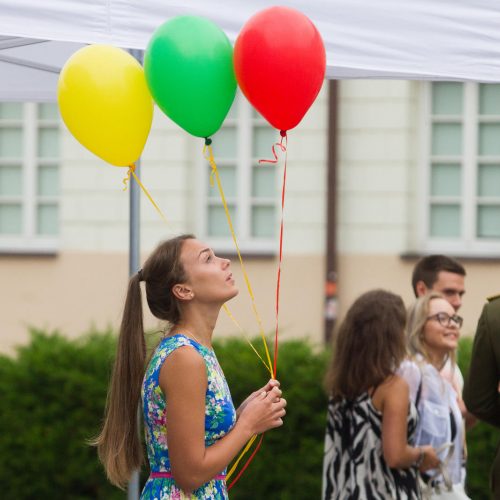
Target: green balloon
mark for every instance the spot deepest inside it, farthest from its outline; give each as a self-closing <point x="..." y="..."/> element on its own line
<point x="189" y="70"/>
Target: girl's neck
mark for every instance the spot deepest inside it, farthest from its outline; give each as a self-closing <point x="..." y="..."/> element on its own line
<point x="198" y="323"/>
<point x="438" y="359"/>
<point x="198" y="332"/>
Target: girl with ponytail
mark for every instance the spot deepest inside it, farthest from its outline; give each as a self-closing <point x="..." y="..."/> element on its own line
<point x="192" y="430"/>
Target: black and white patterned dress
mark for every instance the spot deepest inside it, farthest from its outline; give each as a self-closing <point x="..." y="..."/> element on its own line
<point x="354" y="465"/>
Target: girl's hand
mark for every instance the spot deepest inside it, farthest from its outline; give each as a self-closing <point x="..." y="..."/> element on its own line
<point x="269" y="386"/>
<point x="263" y="412"/>
<point x="431" y="459"/>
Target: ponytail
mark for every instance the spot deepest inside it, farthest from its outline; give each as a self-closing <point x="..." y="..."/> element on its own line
<point x="118" y="445"/>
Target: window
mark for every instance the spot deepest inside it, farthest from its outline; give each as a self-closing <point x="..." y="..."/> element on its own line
<point x="251" y="189"/>
<point x="462" y="181"/>
<point x="29" y="177"/>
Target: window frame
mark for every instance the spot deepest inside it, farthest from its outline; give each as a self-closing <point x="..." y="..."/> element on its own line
<point x="29" y="241"/>
<point x="468" y="245"/>
<point x="245" y="122"/>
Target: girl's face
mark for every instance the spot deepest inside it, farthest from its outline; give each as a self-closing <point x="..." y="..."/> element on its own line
<point x="442" y="328"/>
<point x="209" y="277"/>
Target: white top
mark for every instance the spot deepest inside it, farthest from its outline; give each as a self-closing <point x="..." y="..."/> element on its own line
<point x="437" y="398"/>
<point x="451" y="372"/>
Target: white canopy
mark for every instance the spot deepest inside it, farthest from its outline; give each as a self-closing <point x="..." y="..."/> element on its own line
<point x="403" y="39"/>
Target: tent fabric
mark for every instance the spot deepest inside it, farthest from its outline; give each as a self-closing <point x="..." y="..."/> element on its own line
<point x="403" y="39"/>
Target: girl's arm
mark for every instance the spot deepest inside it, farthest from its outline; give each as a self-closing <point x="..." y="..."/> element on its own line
<point x="398" y="454"/>
<point x="183" y="380"/>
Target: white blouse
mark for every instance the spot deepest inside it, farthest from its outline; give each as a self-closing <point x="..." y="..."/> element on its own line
<point x="437" y="398"/>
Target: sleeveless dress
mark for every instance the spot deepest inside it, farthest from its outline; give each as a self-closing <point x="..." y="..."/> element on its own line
<point x="353" y="465"/>
<point x="220" y="417"/>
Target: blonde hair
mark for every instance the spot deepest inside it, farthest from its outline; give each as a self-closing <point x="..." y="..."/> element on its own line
<point x="418" y="314"/>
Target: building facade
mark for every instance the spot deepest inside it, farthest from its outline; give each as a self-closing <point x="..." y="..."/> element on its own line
<point x="417" y="169"/>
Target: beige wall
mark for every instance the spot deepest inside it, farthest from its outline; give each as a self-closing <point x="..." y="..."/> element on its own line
<point x="74" y="291"/>
<point x="359" y="273"/>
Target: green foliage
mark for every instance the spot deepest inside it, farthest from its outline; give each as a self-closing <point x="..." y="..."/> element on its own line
<point x="53" y="393"/>
<point x="52" y="396"/>
<point x="482" y="441"/>
<point x="289" y="463"/>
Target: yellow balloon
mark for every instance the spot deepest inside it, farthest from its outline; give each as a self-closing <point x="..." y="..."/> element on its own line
<point x="105" y="102"/>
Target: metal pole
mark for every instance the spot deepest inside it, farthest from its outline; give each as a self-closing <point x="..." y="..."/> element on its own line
<point x="331" y="301"/>
<point x="133" y="267"/>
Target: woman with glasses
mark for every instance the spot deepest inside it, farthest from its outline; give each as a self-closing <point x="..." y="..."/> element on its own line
<point x="433" y="330"/>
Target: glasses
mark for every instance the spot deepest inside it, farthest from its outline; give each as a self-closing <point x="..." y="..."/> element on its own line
<point x="445" y="319"/>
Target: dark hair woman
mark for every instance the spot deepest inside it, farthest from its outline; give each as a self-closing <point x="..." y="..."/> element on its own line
<point x="192" y="429"/>
<point x="370" y="419"/>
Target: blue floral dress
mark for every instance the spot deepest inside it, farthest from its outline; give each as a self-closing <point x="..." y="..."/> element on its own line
<point x="220" y="418"/>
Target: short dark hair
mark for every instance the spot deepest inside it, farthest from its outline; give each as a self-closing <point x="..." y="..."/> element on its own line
<point x="428" y="268"/>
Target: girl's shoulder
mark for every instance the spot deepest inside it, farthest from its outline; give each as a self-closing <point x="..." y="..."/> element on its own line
<point x="410" y="369"/>
<point x="392" y="388"/>
<point x="169" y="345"/>
<point x="393" y="384"/>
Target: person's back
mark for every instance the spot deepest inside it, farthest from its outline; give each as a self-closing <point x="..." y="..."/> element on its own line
<point x="355" y="466"/>
<point x="370" y="421"/>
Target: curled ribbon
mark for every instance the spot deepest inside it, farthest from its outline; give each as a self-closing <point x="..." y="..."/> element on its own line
<point x="126" y="179"/>
<point x="282" y="145"/>
<point x="131" y="171"/>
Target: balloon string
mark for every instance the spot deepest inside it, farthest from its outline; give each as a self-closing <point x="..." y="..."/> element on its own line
<point x="278" y="279"/>
<point x="242" y="454"/>
<point x="282" y="145"/>
<point x="126" y="179"/>
<point x="215" y="173"/>
<point x="247" y="462"/>
<point x="233" y="319"/>
<point x="279" y="145"/>
<point x="131" y="171"/>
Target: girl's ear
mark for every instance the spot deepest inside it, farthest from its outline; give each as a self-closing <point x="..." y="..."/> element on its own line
<point x="182" y="292"/>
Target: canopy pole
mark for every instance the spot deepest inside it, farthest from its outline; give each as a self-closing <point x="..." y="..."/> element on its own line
<point x="134" y="266"/>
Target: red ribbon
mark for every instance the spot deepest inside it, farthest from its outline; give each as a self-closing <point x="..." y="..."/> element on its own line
<point x="282" y="145"/>
<point x="247" y="463"/>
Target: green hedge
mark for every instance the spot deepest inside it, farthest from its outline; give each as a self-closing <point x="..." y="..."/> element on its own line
<point x="52" y="396"/>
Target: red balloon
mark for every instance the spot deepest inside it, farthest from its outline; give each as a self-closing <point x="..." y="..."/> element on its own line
<point x="279" y="61"/>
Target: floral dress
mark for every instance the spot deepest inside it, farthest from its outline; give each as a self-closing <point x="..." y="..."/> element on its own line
<point x="220" y="418"/>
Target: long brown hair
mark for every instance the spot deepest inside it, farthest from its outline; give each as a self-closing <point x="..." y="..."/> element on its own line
<point x="369" y="345"/>
<point x="118" y="445"/>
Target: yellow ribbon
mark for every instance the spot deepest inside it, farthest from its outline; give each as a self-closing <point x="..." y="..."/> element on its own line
<point x="242" y="454"/>
<point x="233" y="319"/>
<point x="215" y="173"/>
<point x="131" y="171"/>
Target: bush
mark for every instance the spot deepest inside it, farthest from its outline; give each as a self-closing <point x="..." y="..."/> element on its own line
<point x="53" y="394"/>
<point x="482" y="441"/>
<point x="289" y="463"/>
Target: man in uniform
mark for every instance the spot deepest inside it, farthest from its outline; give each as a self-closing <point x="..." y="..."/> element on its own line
<point x="481" y="392"/>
